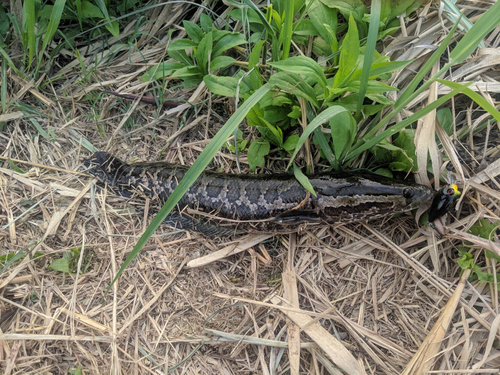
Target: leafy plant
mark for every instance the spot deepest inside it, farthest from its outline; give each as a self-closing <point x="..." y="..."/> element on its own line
<point x="484" y="229"/>
<point x="327" y="94"/>
<point x="199" y="57"/>
<point x="69" y="261"/>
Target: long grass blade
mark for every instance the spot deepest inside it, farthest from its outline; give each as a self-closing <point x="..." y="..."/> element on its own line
<point x="369" y="51"/>
<point x="400" y="126"/>
<point x="29" y="28"/>
<point x="476" y="34"/>
<point x="3" y="88"/>
<point x="194" y="172"/>
<point x="320" y="119"/>
<point x="55" y="19"/>
<point x="409" y="92"/>
<point x="287" y="29"/>
<point x="487" y="106"/>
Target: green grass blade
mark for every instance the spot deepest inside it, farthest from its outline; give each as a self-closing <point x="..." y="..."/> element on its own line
<point x="399" y="126"/>
<point x="29" y="27"/>
<point x="488" y="21"/>
<point x="287" y="29"/>
<point x="320" y="119"/>
<point x="474" y="96"/>
<point x="192" y="174"/>
<point x="9" y="61"/>
<point x="369" y="51"/>
<point x="303" y="180"/>
<point x="452" y="12"/>
<point x="39" y="128"/>
<point x="409" y="93"/>
<point x="3" y="88"/>
<point x="55" y="19"/>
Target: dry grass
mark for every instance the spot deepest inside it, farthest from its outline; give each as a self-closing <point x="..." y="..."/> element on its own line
<point x="376" y="298"/>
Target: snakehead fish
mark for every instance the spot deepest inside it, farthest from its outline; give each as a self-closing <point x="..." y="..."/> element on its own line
<point x="274" y="199"/>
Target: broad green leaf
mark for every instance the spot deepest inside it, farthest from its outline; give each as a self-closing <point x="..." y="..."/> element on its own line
<point x="89" y="10"/>
<point x="304" y="66"/>
<point x="221" y="62"/>
<point x="181" y="56"/>
<point x="384" y="172"/>
<point x="305" y="28"/>
<point x="484" y="228"/>
<point x="276" y="114"/>
<point x="192" y="81"/>
<point x="253" y="60"/>
<point x="108" y="24"/>
<point x="187" y="71"/>
<point x="321" y="48"/>
<point x="291" y="142"/>
<point x="227" y="42"/>
<point x="161" y="70"/>
<point x="279" y="99"/>
<point x="296" y="112"/>
<point x="392" y="8"/>
<point x="217" y="34"/>
<point x="206" y="22"/>
<point x="356" y="8"/>
<point x="224" y="86"/>
<point x="203" y="52"/>
<point x="474" y="96"/>
<point x="343" y="128"/>
<point x="303" y="180"/>
<point x="194" y="172"/>
<point x="255" y="116"/>
<point x="349" y="53"/>
<point x="258" y="12"/>
<point x="293" y="83"/>
<point x="319" y="120"/>
<point x="194" y="32"/>
<point x="466" y="261"/>
<point x="490" y="254"/>
<point x="273" y="133"/>
<point x="114" y="28"/>
<point x="324" y="20"/>
<point x="445" y="119"/>
<point x="61" y="265"/>
<point x="181" y="44"/>
<point x="483" y="276"/>
<point x="256" y="152"/>
<point x="384" y="152"/>
<point x="405" y="160"/>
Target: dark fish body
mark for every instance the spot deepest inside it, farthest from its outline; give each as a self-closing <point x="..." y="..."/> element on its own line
<point x="341" y="197"/>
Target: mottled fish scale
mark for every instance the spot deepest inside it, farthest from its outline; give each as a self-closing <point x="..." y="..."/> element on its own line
<point x="341" y="197"/>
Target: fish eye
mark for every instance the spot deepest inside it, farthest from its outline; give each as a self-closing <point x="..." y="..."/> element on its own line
<point x="408" y="193"/>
